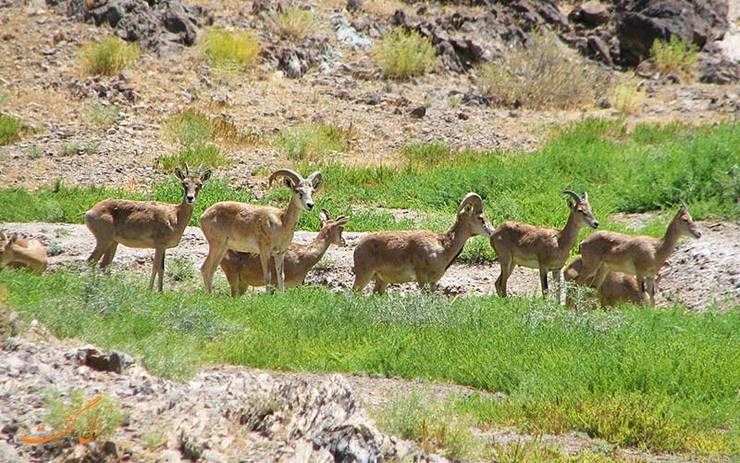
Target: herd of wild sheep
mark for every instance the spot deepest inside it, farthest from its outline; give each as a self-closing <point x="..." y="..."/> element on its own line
<point x="248" y="241"/>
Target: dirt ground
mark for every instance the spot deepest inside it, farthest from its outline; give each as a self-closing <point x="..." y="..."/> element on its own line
<point x="700" y="274"/>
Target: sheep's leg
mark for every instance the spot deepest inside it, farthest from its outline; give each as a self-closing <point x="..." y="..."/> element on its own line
<point x="279" y="269"/>
<point x="266" y="272"/>
<point x="380" y="285"/>
<point x="362" y="278"/>
<point x="155" y="267"/>
<point x="161" y="270"/>
<point x="650" y="283"/>
<point x="110" y="253"/>
<point x="507" y="266"/>
<point x="100" y="247"/>
<point x="216" y="253"/>
<point x="543" y="282"/>
<point x="557" y="278"/>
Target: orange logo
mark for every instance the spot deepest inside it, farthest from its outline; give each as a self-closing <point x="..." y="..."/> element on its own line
<point x="93" y="430"/>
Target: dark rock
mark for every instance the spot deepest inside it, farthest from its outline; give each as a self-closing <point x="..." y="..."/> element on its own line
<point x="600" y="49"/>
<point x="93" y="358"/>
<point x="109" y="448"/>
<point x="418" y="112"/>
<point x="717" y="69"/>
<point x="591" y="14"/>
<point x="641" y="22"/>
<point x="354" y="5"/>
<point x="463" y="116"/>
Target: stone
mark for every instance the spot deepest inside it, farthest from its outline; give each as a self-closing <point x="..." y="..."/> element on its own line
<point x="592" y="14"/>
<point x="418" y="112"/>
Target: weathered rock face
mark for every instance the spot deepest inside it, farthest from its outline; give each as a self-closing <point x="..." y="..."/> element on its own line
<point x="222" y="414"/>
<point x="641" y="22"/>
<point x="160" y="25"/>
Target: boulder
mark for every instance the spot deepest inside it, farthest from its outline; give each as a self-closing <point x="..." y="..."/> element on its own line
<point x="591" y="14"/>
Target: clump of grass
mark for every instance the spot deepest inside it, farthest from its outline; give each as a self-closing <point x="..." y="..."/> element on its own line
<point x="206" y="154"/>
<point x="10" y="129"/>
<point x="675" y="56"/>
<point x="310" y="141"/>
<point x="433" y="424"/>
<point x="103" y="115"/>
<point x="98" y="422"/>
<point x="401" y="54"/>
<point x="433" y="152"/>
<point x="181" y="269"/>
<point x="539" y="75"/>
<point x="190" y="127"/>
<point x="108" y="57"/>
<point x="536" y="451"/>
<point x="227" y="132"/>
<point x="628" y="99"/>
<point x="35" y="151"/>
<point x="230" y="51"/>
<point x="296" y="22"/>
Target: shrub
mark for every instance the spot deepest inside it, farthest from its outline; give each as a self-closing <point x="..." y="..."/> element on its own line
<point x="103" y="115"/>
<point x="208" y="155"/>
<point x="542" y="76"/>
<point x="295" y="22"/>
<point x="230" y="51"/>
<point x="402" y="54"/>
<point x="10" y="129"/>
<point x="190" y="127"/>
<point x="108" y="57"/>
<point x="98" y="422"/>
<point x="675" y="56"/>
<point x="310" y="140"/>
<point x="627" y="98"/>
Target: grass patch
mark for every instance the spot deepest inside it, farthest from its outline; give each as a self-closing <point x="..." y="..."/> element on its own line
<point x="295" y="22"/>
<point x="310" y="141"/>
<point x="10" y="129"/>
<point x="108" y="57"/>
<point x="664" y="380"/>
<point x="190" y="127"/>
<point x="208" y="155"/>
<point x="103" y="116"/>
<point x="230" y="51"/>
<point x="628" y="99"/>
<point x="401" y="54"/>
<point x="542" y="75"/>
<point x="98" y="422"/>
<point x="675" y="56"/>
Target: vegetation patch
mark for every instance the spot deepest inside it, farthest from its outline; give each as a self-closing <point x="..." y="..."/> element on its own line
<point x="542" y="75"/>
<point x="627" y="98"/>
<point x="296" y="22"/>
<point x="10" y="129"/>
<point x="100" y="419"/>
<point x="402" y="54"/>
<point x="659" y="379"/>
<point x="101" y="115"/>
<point x="310" y="141"/>
<point x="675" y="56"/>
<point x="230" y="51"/>
<point x="108" y="57"/>
<point x="190" y="127"/>
<point x="207" y="154"/>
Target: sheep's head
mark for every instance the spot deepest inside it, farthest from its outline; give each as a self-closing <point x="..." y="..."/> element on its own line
<point x="333" y="229"/>
<point x="471" y="211"/>
<point x="302" y="188"/>
<point x="582" y="209"/>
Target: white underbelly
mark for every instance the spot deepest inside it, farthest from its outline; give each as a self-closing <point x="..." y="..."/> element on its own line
<point x="529" y="263"/>
<point x="245" y="245"/>
<point x="403" y="275"/>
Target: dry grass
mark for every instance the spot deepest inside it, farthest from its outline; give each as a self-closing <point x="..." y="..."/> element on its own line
<point x="541" y="75"/>
<point x="108" y="57"/>
<point x="401" y="54"/>
<point x="383" y="7"/>
<point x="296" y="23"/>
<point x="676" y="56"/>
<point x="230" y="51"/>
<point x="628" y="98"/>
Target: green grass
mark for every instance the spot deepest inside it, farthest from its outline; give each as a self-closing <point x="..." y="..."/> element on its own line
<point x="658" y="379"/>
<point x="230" y="51"/>
<point x="10" y="129"/>
<point x="675" y="56"/>
<point x="103" y="116"/>
<point x="208" y="155"/>
<point x="401" y="54"/>
<point x="190" y="127"/>
<point x="296" y="23"/>
<point x="310" y="141"/>
<point x="650" y="168"/>
<point x="97" y="422"/>
<point x="108" y="57"/>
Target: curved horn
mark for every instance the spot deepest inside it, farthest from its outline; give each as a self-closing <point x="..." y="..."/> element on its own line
<point x="574" y="195"/>
<point x="291" y="174"/>
<point x="471" y="198"/>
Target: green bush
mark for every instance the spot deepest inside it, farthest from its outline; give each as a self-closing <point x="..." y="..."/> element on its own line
<point x="310" y="141"/>
<point x="103" y="115"/>
<point x="402" y="54"/>
<point x="96" y="423"/>
<point x="10" y="129"/>
<point x="296" y="22"/>
<point x="675" y="56"/>
<point x="108" y="57"/>
<point x="541" y="75"/>
<point x="208" y="155"/>
<point x="230" y="51"/>
<point x="190" y="127"/>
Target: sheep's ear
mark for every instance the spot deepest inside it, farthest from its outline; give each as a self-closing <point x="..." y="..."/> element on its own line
<point x="324" y="215"/>
<point x="179" y="174"/>
<point x="289" y="183"/>
<point x="206" y="175"/>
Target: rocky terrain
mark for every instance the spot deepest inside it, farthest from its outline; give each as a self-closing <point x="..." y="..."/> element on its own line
<point x="700" y="274"/>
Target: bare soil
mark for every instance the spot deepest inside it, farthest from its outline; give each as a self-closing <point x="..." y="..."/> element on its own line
<point x="701" y="274"/>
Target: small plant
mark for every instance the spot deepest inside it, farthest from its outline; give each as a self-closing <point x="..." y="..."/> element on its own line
<point x="108" y="57"/>
<point x="227" y="132"/>
<point x="455" y="100"/>
<point x="402" y="54"/>
<point x="102" y="416"/>
<point x="542" y="76"/>
<point x="55" y="250"/>
<point x="427" y="153"/>
<point x="190" y="127"/>
<point x="311" y="140"/>
<point x="434" y="425"/>
<point x="296" y="22"/>
<point x="35" y="151"/>
<point x="181" y="269"/>
<point x="675" y="56"/>
<point x="103" y="115"/>
<point x="70" y="149"/>
<point x="627" y="98"/>
<point x="208" y="155"/>
<point x="10" y="129"/>
<point x="230" y="51"/>
<point x="91" y="147"/>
